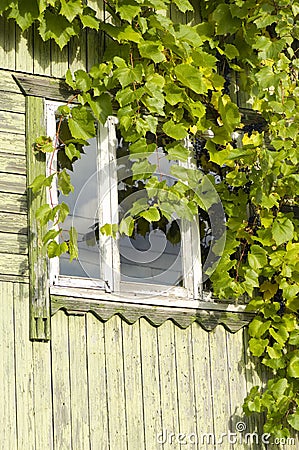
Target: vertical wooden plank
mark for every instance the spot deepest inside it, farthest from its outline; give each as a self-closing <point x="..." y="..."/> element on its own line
<point x="7" y="368"/>
<point x="98" y="412"/>
<point x="42" y="396"/>
<point x="151" y="385"/>
<point x="168" y="377"/>
<point x="39" y="282"/>
<point x="95" y="48"/>
<point x="253" y="378"/>
<point x="59" y="60"/>
<point x="202" y="384"/>
<point x="185" y="380"/>
<point x="42" y="54"/>
<point x="220" y="388"/>
<point x="61" y="382"/>
<point x="77" y="52"/>
<point x="24" y="370"/>
<point x="78" y="383"/>
<point x="24" y="50"/>
<point x="133" y="385"/>
<point x="115" y="384"/>
<point x="237" y="386"/>
<point x="8" y="43"/>
<point x="176" y="15"/>
<point x="194" y="17"/>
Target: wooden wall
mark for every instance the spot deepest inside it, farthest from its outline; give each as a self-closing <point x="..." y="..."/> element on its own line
<point x="13" y="209"/>
<point x="116" y="386"/>
<point x="28" y="53"/>
<point x="97" y="385"/>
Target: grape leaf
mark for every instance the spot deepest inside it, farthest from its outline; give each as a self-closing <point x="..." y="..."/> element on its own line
<point x="57" y="28"/>
<point x="282" y="230"/>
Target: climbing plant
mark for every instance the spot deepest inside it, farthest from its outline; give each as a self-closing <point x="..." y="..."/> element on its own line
<point x="176" y="81"/>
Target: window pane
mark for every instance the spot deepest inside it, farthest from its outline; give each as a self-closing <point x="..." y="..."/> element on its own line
<point x="154" y="253"/>
<point x="83" y="203"/>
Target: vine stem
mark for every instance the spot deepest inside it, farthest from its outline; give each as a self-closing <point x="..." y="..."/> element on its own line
<point x="56" y="142"/>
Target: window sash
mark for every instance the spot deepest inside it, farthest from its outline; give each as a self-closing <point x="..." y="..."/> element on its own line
<point x="110" y="268"/>
<point x="190" y="239"/>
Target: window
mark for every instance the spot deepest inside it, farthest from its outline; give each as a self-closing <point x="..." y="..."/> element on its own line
<point x="162" y="257"/>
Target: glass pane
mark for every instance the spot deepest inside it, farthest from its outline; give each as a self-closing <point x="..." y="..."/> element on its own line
<point x="83" y="203"/>
<point x="153" y="254"/>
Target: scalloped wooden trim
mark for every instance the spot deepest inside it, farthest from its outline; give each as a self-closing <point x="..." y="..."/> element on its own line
<point x="156" y="315"/>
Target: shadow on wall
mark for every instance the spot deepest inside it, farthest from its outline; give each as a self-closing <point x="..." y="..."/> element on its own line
<point x="27" y="52"/>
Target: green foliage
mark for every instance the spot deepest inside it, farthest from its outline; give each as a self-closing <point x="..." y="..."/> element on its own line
<point x="170" y="81"/>
<point x="58" y="20"/>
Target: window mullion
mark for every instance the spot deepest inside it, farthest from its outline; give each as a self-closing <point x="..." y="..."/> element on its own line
<point x="112" y="122"/>
<point x="191" y="257"/>
<point x="108" y="203"/>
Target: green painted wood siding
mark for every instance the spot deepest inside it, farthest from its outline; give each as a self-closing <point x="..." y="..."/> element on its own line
<point x="111" y="385"/>
<point x="13" y="200"/>
<point x="28" y="53"/>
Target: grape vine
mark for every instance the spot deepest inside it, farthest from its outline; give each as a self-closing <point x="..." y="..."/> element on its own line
<point x="230" y="82"/>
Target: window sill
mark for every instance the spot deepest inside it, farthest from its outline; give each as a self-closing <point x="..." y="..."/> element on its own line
<point x="156" y="309"/>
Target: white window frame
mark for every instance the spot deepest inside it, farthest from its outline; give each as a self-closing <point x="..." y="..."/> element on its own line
<point x="108" y="211"/>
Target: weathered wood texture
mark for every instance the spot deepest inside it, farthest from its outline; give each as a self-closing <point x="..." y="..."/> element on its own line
<point x="38" y="268"/>
<point x="28" y="53"/>
<point x="123" y="386"/>
<point x="113" y="385"/>
<point x="207" y="315"/>
<point x="13" y="200"/>
<point x="26" y="406"/>
<point x="49" y="88"/>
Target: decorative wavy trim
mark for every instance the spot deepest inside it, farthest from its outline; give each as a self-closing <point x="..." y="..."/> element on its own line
<point x="208" y="318"/>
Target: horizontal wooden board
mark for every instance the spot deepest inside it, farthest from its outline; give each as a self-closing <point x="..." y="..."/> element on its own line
<point x="12" y="264"/>
<point x="156" y="316"/>
<point x="13" y="243"/>
<point x="13" y="164"/>
<point x="13" y="223"/>
<point x="10" y="101"/>
<point x="15" y="203"/>
<point x="7" y="83"/>
<point x="12" y="122"/>
<point x="12" y="143"/>
<point x="13" y="183"/>
<point x="14" y="278"/>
